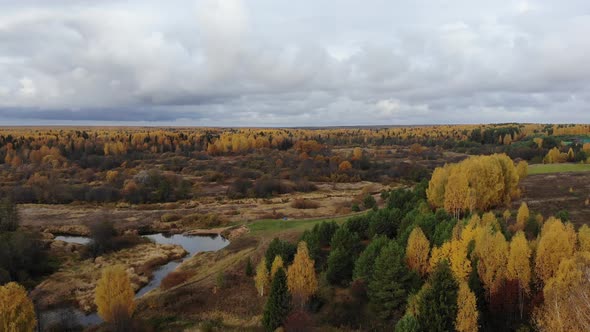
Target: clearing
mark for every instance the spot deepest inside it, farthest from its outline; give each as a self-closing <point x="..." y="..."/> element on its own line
<point x="557" y="168"/>
<point x="550" y="193"/>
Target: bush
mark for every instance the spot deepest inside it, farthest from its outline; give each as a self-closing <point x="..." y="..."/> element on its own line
<point x="249" y="268"/>
<point x="174" y="278"/>
<point x="8" y="216"/>
<point x="22" y="258"/>
<point x="266" y="187"/>
<point x="305" y="186"/>
<point x="239" y="188"/>
<point x="563" y="215"/>
<point x="301" y="203"/>
<point x="170" y="217"/>
<point x="204" y="220"/>
<point x="369" y="201"/>
<point x="355" y="207"/>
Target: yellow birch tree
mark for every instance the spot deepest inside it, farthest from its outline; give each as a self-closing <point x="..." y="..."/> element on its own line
<point x="301" y="278"/>
<point x="277" y="263"/>
<point x="17" y="313"/>
<point x="114" y="296"/>
<point x="519" y="266"/>
<point x="467" y="314"/>
<point x="417" y="251"/>
<point x="261" y="279"/>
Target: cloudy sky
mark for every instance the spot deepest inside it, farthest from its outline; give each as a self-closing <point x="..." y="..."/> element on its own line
<point x="293" y="63"/>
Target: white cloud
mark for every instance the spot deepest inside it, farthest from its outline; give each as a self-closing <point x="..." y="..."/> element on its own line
<point x="27" y="87"/>
<point x="257" y="62"/>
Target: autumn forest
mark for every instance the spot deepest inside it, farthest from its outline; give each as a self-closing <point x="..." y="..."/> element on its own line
<point x="408" y="228"/>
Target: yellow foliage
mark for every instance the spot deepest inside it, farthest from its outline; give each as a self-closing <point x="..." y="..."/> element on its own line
<point x="455" y="252"/>
<point x="491" y="249"/>
<point x="114" y="296"/>
<point x="456" y="194"/>
<point x="277" y="263"/>
<point x="555" y="156"/>
<point x="506" y="215"/>
<point x="301" y="278"/>
<point x="17" y="313"/>
<point x="478" y="182"/>
<point x="522" y="217"/>
<point x="556" y="243"/>
<point x="417" y="251"/>
<point x="460" y="264"/>
<point x="519" y="261"/>
<point x="488" y="219"/>
<point x="261" y="279"/>
<point x="522" y="169"/>
<point x="357" y="153"/>
<point x="344" y="166"/>
<point x="584" y="238"/>
<point x="467" y="314"/>
<point x="436" y="187"/>
<point x="566" y="295"/>
<point x="438" y="254"/>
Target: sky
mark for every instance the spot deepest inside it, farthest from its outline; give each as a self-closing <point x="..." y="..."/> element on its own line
<point x="280" y="63"/>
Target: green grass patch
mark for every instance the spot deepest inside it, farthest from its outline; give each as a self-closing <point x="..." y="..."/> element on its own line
<point x="558" y="168"/>
<point x="274" y="225"/>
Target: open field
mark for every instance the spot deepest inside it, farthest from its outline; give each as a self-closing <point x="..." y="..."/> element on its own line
<point x="333" y="200"/>
<point x="557" y="168"/>
<point x="277" y="225"/>
<point x="550" y="193"/>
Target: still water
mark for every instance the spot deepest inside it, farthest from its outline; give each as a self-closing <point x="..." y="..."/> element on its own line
<point x="191" y="243"/>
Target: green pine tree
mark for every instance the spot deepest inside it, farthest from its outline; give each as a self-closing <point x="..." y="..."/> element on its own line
<point x="345" y="248"/>
<point x="363" y="268"/>
<point x="249" y="268"/>
<point x="340" y="265"/>
<point x="278" y="304"/>
<point x="391" y="282"/>
<point x="408" y="323"/>
<point x="437" y="309"/>
<point x="278" y="247"/>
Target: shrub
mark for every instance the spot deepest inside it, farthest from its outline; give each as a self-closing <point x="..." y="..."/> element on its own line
<point x="266" y="187"/>
<point x="369" y="201"/>
<point x="170" y="217"/>
<point x="305" y="186"/>
<point x="8" y="216"/>
<point x="301" y="203"/>
<point x="563" y="215"/>
<point x="102" y="234"/>
<point x="220" y="280"/>
<point x="204" y="220"/>
<point x="174" y="278"/>
<point x="249" y="268"/>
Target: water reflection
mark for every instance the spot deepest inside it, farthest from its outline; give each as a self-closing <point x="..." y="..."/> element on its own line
<point x="191" y="243"/>
<point x="73" y="239"/>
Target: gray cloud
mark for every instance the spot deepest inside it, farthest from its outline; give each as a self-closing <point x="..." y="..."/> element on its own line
<point x="286" y="63"/>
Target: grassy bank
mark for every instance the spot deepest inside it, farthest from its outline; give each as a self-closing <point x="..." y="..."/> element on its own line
<point x="558" y="168"/>
<point x="274" y="225"/>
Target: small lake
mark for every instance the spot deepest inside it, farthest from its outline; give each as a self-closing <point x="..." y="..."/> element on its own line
<point x="73" y="239"/>
<point x="191" y="243"/>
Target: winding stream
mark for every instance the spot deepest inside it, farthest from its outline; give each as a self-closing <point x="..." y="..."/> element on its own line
<point x="191" y="243"/>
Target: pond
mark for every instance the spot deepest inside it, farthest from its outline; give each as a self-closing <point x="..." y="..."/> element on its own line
<point x="73" y="239"/>
<point x="191" y="243"/>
